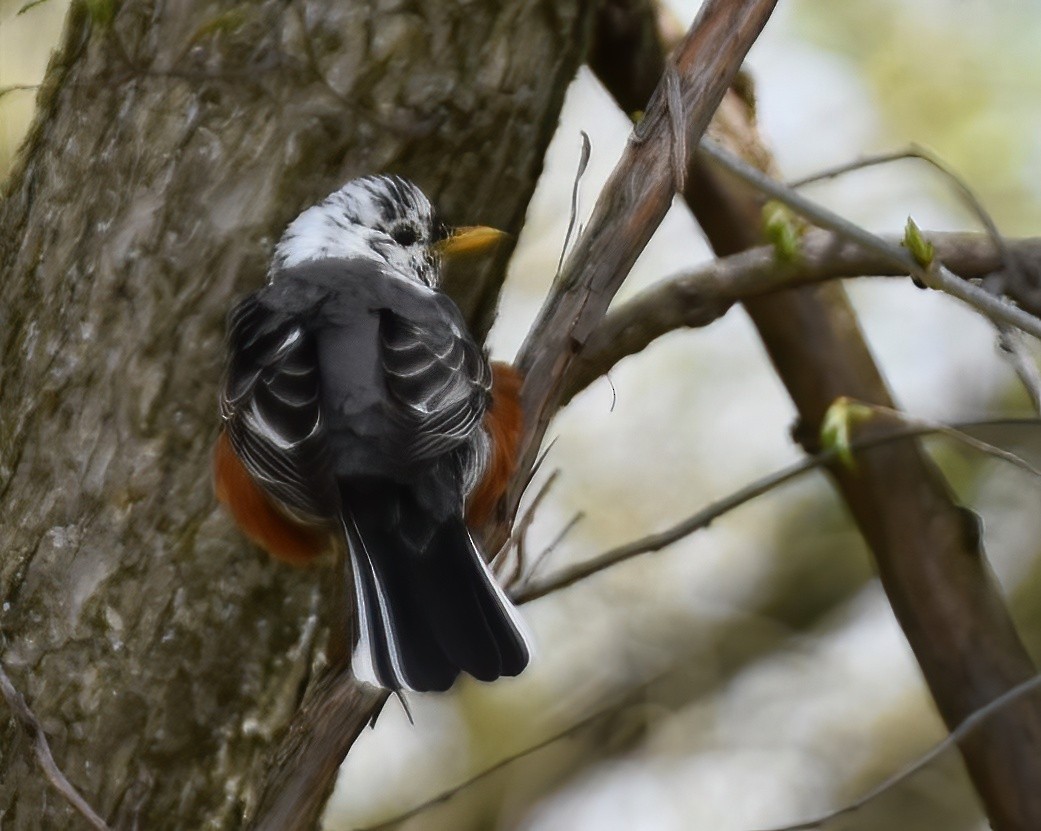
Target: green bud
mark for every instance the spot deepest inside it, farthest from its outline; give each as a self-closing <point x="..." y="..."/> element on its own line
<point x="837" y="427"/>
<point x="783" y="230"/>
<point x="921" y="249"/>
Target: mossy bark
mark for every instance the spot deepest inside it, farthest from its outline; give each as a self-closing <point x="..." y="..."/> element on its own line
<point x="172" y="143"/>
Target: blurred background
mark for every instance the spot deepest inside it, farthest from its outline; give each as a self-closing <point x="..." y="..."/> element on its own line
<point x="751" y="675"/>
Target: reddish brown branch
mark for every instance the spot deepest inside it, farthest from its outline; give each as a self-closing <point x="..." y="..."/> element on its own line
<point x="630" y="207"/>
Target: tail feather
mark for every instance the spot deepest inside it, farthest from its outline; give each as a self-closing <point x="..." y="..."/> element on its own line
<point x="425" y="615"/>
<point x="474" y="622"/>
<point x="389" y="633"/>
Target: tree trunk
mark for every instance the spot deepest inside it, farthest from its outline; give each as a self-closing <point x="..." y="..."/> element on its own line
<point x="161" y="653"/>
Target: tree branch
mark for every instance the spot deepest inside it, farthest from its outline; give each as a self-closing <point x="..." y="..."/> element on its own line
<point x="933" y="274"/>
<point x="710" y="513"/>
<point x="304" y="770"/>
<point x="42" y="751"/>
<point x="698" y="297"/>
<point x="629" y="209"/>
<point x="952" y="739"/>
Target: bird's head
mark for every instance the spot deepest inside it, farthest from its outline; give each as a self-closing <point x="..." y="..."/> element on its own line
<point x="383" y="218"/>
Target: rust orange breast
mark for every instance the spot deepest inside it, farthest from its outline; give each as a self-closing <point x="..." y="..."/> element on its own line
<point x="258" y="516"/>
<point x="504" y="422"/>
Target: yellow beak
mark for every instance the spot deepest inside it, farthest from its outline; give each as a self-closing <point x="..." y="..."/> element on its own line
<point x="470" y="240"/>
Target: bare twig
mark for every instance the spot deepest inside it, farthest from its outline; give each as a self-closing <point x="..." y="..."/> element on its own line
<point x="954" y="738"/>
<point x="18" y="88"/>
<point x="707" y="515"/>
<point x="583" y="163"/>
<point x="919" y="153"/>
<point x="956" y="434"/>
<point x="556" y="737"/>
<point x="1022" y="362"/>
<point x="700" y="296"/>
<point x="935" y="274"/>
<point x="576" y="518"/>
<point x="521" y="528"/>
<point x="42" y="751"/>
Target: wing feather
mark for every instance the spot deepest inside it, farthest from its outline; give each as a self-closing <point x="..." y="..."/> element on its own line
<point x="440" y="379"/>
<point x="271" y="406"/>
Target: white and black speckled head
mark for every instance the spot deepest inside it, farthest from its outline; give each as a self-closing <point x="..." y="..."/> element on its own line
<point x="382" y="218"/>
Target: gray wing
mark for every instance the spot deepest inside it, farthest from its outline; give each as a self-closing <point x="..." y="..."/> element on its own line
<point x="270" y="403"/>
<point x="438" y="376"/>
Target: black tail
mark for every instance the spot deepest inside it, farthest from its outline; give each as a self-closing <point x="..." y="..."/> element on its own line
<point x="428" y="607"/>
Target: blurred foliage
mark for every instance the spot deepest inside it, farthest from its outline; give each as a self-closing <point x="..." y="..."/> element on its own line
<point x="961" y="76"/>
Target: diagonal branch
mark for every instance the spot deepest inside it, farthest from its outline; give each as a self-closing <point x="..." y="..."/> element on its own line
<point x="658" y="540"/>
<point x="932" y="274"/>
<point x="337" y="708"/>
<point x="42" y="751"/>
<point x="958" y="735"/>
<point x="630" y="207"/>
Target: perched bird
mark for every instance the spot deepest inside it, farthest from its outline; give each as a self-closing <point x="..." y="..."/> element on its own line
<point x="357" y="405"/>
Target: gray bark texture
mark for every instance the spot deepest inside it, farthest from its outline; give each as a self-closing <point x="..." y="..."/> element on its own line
<point x="162" y="654"/>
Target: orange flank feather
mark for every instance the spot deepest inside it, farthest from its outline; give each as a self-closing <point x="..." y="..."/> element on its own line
<point x="257" y="515"/>
<point x="504" y="422"/>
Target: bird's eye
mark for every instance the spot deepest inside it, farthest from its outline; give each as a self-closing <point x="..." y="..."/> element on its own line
<point x="404" y="235"/>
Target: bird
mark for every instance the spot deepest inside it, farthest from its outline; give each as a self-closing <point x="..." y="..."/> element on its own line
<point x="357" y="407"/>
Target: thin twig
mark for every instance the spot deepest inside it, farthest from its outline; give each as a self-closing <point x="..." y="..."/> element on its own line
<point x="583" y="163"/>
<point x="556" y="541"/>
<point x="954" y="738"/>
<point x="42" y="751"/>
<point x="706" y="516"/>
<point x="919" y="153"/>
<point x="935" y="275"/>
<point x="563" y="734"/>
<point x="537" y="466"/>
<point x="955" y="433"/>
<point x="1023" y="363"/>
<point x="520" y="529"/>
<point x="18" y="88"/>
